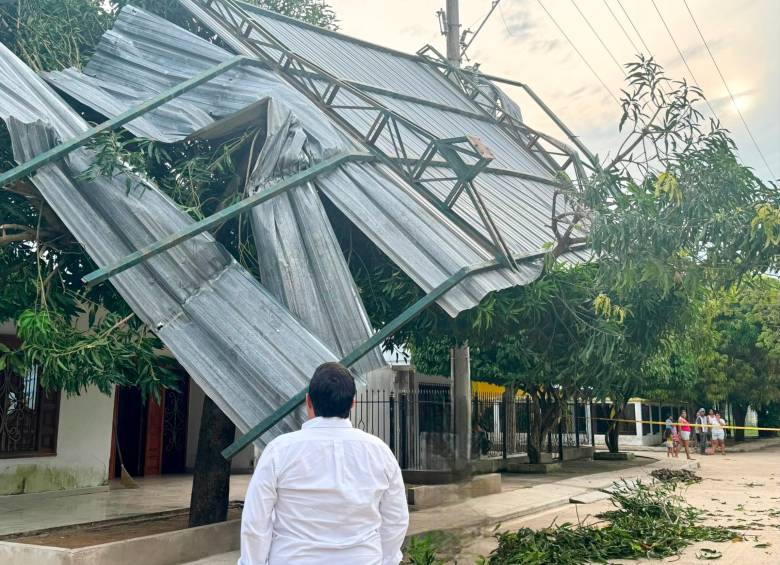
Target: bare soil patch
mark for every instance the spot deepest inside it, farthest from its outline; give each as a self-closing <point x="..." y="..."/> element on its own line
<point x="96" y="533"/>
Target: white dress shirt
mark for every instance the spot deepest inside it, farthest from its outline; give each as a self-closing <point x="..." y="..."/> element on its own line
<point x="327" y="494"/>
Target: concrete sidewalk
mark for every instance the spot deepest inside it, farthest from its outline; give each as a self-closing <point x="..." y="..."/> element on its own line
<point x="748" y="446"/>
<point x="514" y="503"/>
<point x="496" y="508"/>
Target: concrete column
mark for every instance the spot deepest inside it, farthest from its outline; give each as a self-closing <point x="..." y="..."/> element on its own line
<point x="638" y="418"/>
<point x="509" y="413"/>
<point x="461" y="386"/>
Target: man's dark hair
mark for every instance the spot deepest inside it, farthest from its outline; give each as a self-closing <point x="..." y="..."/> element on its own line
<point x="332" y="390"/>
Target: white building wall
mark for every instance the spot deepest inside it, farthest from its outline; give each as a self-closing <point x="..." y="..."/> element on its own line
<point x="83" y="449"/>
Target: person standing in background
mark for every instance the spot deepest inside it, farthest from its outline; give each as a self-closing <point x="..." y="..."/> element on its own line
<point x="702" y="431"/>
<point x="685" y="431"/>
<point x="718" y="433"/>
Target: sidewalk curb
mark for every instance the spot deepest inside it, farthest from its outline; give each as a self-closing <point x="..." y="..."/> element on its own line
<point x="445" y="514"/>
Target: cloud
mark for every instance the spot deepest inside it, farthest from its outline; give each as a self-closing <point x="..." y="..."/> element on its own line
<point x="698" y="49"/>
<point x="545" y="46"/>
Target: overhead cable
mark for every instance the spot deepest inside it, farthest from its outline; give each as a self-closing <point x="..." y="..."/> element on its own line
<point x="466" y="44"/>
<point x="584" y="60"/>
<point x="723" y="80"/>
<point x="598" y="36"/>
<point x="682" y="56"/>
<point x="639" y="35"/>
<point x="637" y="50"/>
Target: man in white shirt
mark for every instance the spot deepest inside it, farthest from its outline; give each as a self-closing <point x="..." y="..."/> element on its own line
<point x="327" y="494"/>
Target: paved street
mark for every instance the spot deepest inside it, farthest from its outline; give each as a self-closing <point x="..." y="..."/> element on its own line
<point x="738" y="489"/>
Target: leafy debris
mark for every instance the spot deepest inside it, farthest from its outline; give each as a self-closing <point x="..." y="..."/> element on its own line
<point x="649" y="520"/>
<point x="676" y="476"/>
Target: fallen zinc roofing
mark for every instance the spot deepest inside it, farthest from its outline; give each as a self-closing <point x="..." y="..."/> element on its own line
<point x="459" y="199"/>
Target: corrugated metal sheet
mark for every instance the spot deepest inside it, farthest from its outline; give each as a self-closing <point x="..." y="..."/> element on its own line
<point x="236" y="341"/>
<point x="299" y="257"/>
<point x="412" y="236"/>
<point x="353" y="60"/>
<point x="130" y="58"/>
<point x="521" y="209"/>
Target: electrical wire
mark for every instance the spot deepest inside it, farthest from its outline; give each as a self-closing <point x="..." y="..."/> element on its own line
<point x="598" y="36"/>
<point x="503" y="19"/>
<point x="639" y="35"/>
<point x="623" y="29"/>
<point x="682" y="56"/>
<point x="723" y="80"/>
<point x="466" y="44"/>
<point x="584" y="60"/>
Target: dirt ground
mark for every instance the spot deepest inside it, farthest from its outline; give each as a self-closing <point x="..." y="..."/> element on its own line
<point x="740" y="490"/>
<point x="72" y="537"/>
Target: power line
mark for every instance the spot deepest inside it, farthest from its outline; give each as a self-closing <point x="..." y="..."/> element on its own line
<point x="684" y="60"/>
<point x="598" y="36"/>
<point x="733" y="101"/>
<point x="503" y="19"/>
<point x="466" y="44"/>
<point x="584" y="60"/>
<point x="639" y="35"/>
<point x="619" y="23"/>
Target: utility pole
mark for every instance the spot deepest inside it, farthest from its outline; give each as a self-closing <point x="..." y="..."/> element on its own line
<point x="453" y="32"/>
<point x="459" y="356"/>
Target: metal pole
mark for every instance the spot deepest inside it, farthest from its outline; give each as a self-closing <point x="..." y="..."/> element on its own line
<point x="527" y="422"/>
<point x="453" y="32"/>
<point x="576" y="425"/>
<point x="392" y="424"/>
<point x="560" y="440"/>
<point x="505" y="424"/>
<point x="404" y="431"/>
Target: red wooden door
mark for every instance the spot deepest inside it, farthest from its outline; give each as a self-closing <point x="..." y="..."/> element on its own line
<point x="154" y="437"/>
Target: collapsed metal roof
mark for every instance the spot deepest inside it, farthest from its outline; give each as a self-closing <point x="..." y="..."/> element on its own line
<point x="237" y="342"/>
<point x="443" y="188"/>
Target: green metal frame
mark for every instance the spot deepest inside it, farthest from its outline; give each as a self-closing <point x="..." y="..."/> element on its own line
<point x="470" y="82"/>
<point x="339" y="100"/>
<point x="82" y="139"/>
<point x="218" y="218"/>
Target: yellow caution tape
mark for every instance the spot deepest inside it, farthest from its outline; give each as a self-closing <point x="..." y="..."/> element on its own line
<point x="691" y="424"/>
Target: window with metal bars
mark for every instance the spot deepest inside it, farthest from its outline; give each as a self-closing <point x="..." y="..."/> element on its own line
<point x="29" y="415"/>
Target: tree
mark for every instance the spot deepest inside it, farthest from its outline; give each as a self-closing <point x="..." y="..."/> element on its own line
<point x="675" y="214"/>
<point x="672" y="216"/>
<point x="744" y="369"/>
<point x="41" y="263"/>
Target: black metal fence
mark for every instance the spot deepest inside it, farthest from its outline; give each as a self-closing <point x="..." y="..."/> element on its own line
<point x="420" y="430"/>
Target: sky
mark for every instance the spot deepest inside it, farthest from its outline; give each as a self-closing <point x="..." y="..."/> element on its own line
<point x="521" y="42"/>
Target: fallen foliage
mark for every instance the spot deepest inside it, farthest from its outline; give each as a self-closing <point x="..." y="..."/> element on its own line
<point x="649" y="520"/>
<point x="676" y="476"/>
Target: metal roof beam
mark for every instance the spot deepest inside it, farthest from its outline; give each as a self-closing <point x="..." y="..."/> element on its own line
<point x="223" y="215"/>
<point x="232" y="23"/>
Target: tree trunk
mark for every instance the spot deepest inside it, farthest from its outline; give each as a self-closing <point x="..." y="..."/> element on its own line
<point x="545" y="415"/>
<point x="211" y="478"/>
<point x="739" y="412"/>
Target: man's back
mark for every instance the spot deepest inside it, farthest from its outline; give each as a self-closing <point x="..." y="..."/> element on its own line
<point x="326" y="494"/>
